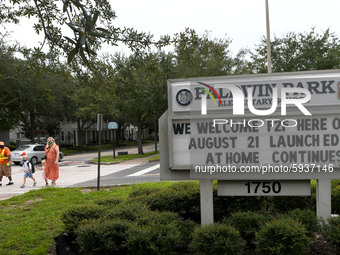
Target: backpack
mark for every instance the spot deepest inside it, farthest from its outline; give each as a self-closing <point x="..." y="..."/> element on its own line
<point x="32" y="167"/>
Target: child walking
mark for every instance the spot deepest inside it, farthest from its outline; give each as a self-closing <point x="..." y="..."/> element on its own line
<point x="43" y="171"/>
<point x="27" y="170"/>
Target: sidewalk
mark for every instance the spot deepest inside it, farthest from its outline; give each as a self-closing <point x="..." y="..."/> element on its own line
<point x="71" y="172"/>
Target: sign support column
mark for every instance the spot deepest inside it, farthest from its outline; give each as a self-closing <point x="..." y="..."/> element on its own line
<point x="99" y="129"/>
<point x="207" y="202"/>
<point x="113" y="126"/>
<point x="323" y="199"/>
<point x="114" y="143"/>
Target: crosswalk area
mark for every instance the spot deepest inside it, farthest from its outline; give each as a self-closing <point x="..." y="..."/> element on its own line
<point x="80" y="174"/>
<point x="87" y="172"/>
<point x="145" y="171"/>
<point x="128" y="175"/>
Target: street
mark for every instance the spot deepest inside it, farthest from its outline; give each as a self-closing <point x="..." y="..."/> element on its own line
<point x="75" y="171"/>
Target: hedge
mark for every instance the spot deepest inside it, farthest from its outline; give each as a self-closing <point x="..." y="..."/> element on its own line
<point x="248" y="223"/>
<point x="216" y="239"/>
<point x="282" y="236"/>
<point x="102" y="236"/>
<point x="162" y="221"/>
<point x="332" y="232"/>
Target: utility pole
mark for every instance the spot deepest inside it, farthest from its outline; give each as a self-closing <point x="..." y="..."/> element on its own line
<point x="155" y="130"/>
<point x="99" y="129"/>
<point x="269" y="50"/>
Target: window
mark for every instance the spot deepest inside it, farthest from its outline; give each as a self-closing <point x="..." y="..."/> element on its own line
<point x="62" y="136"/>
<point x="23" y="147"/>
<point x="39" y="148"/>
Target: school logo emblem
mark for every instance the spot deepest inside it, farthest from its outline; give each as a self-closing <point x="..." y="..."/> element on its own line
<point x="184" y="97"/>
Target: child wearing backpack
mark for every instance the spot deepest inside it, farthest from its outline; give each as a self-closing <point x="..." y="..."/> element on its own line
<point x="28" y="170"/>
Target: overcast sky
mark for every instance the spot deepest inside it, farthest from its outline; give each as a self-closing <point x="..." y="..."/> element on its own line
<point x="243" y="21"/>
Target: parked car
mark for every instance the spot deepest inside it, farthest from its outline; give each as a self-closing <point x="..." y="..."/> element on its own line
<point x="34" y="152"/>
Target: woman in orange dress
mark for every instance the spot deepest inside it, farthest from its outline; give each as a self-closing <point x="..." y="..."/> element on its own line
<point x="52" y="161"/>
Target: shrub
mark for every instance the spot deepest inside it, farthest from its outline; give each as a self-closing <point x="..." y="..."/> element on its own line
<point x="111" y="201"/>
<point x="332" y="232"/>
<point x="248" y="223"/>
<point x="336" y="196"/>
<point x="129" y="210"/>
<point x="140" y="191"/>
<point x="12" y="147"/>
<point x="153" y="239"/>
<point x="320" y="246"/>
<point x="216" y="239"/>
<point x="282" y="236"/>
<point x="308" y="219"/>
<point x="74" y="216"/>
<point x="102" y="236"/>
<point x="286" y="204"/>
<point x="224" y="206"/>
<point x="153" y="217"/>
<point x="185" y="227"/>
<point x="183" y="198"/>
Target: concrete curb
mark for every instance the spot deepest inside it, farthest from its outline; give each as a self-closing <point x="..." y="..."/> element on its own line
<point x="152" y="160"/>
<point x="105" y="163"/>
<point x="144" y="159"/>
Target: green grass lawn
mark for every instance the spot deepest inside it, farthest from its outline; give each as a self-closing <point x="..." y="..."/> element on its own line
<point x="153" y="158"/>
<point x="110" y="159"/>
<point x="29" y="222"/>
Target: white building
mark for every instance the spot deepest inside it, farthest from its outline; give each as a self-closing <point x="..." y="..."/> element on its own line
<point x="68" y="135"/>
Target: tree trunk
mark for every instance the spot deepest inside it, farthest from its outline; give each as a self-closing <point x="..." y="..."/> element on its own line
<point x="80" y="134"/>
<point x="139" y="137"/>
<point x="32" y="124"/>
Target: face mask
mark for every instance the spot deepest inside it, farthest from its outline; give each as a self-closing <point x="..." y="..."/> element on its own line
<point x="24" y="160"/>
<point x="49" y="142"/>
<point x="2" y="146"/>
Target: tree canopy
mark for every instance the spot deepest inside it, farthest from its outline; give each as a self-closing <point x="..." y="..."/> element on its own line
<point x="90" y="22"/>
<point x="300" y="52"/>
<point x="42" y="89"/>
<point x="140" y="88"/>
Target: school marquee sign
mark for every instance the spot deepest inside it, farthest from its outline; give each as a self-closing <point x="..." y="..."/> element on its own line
<point x="258" y="126"/>
<point x="266" y="134"/>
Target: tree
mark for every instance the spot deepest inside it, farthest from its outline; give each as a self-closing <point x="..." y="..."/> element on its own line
<point x="32" y="90"/>
<point x="92" y="95"/>
<point x="44" y="95"/>
<point x="84" y="101"/>
<point x="242" y="64"/>
<point x="201" y="56"/>
<point x="91" y="23"/>
<point x="300" y="52"/>
<point x="140" y="85"/>
<point x="10" y="105"/>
